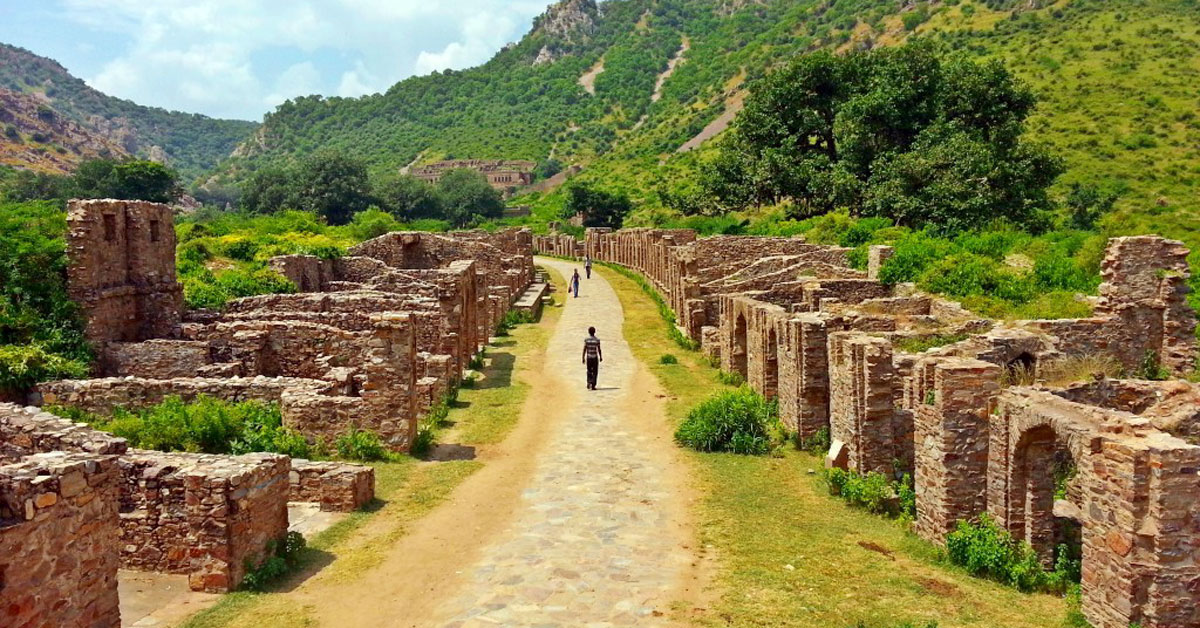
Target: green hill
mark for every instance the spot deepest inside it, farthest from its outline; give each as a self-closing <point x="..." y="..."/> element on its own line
<point x="1116" y="80"/>
<point x="191" y="143"/>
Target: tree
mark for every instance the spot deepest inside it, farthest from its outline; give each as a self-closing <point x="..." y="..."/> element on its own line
<point x="407" y="197"/>
<point x="135" y="180"/>
<point x="599" y="208"/>
<point x="548" y="168"/>
<point x="269" y="190"/>
<point x="332" y="185"/>
<point x="467" y="195"/>
<point x="903" y="133"/>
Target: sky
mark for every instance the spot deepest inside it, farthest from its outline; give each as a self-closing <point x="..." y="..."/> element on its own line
<point x="241" y="58"/>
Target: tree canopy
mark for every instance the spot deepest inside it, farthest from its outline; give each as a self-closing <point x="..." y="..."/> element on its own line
<point x="598" y="207"/>
<point x="904" y="133"/>
<point x="134" y="179"/>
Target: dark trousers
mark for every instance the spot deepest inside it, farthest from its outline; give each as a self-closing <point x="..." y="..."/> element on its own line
<point x="589" y="272"/>
<point x="593" y="369"/>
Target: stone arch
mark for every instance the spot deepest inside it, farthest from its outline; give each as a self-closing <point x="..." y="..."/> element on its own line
<point x="771" y="365"/>
<point x="738" y="356"/>
<point x="1034" y="473"/>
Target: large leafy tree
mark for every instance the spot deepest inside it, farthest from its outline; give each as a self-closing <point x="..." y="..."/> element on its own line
<point x="467" y="195"/>
<point x="407" y="197"/>
<point x="333" y="185"/>
<point x="905" y="133"/>
<point x="598" y="207"/>
<point x="129" y="180"/>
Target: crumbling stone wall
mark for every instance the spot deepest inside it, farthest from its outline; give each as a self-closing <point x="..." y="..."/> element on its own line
<point x="822" y="338"/>
<point x="122" y="271"/>
<point x="336" y="486"/>
<point x="202" y="515"/>
<point x="58" y="534"/>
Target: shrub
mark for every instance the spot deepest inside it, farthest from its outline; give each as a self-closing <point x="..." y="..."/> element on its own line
<point x="282" y="556"/>
<point x="667" y="358"/>
<point x="22" y="366"/>
<point x="511" y="319"/>
<point x="740" y="421"/>
<point x="987" y="551"/>
<point x="818" y="444"/>
<point x="1151" y="368"/>
<point x="730" y="378"/>
<point x="360" y="445"/>
<point x="873" y="492"/>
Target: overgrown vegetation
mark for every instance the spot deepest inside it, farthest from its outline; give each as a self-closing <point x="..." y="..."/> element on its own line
<point x="739" y="421"/>
<point x="282" y="556"/>
<point x="874" y="492"/>
<point x="664" y="310"/>
<point x="987" y="551"/>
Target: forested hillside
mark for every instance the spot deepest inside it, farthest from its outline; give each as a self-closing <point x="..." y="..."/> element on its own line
<point x="190" y="143"/>
<point x="1115" y="81"/>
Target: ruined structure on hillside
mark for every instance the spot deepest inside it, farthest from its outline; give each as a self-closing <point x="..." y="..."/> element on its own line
<point x="502" y="174"/>
<point x="967" y="418"/>
<point x="371" y="341"/>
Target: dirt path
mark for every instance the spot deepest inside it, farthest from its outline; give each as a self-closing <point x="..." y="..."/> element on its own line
<point x="579" y="517"/>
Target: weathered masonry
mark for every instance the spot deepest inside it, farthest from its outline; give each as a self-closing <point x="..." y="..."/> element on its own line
<point x="969" y="419"/>
<point x="371" y="341"/>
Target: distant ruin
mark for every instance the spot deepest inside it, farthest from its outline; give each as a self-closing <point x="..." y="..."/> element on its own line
<point x="501" y="174"/>
<point x="968" y="419"/>
<point x="372" y="341"/>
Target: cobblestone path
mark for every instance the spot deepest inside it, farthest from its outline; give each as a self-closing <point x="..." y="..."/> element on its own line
<point x="593" y="542"/>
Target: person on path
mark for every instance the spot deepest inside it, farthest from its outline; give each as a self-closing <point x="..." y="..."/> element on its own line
<point x="587" y="264"/>
<point x="575" y="283"/>
<point x="592" y="357"/>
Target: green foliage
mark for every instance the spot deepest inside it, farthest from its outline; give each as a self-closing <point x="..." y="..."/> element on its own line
<point x="905" y="133"/>
<point x="511" y="319"/>
<point x="360" y="445"/>
<point x="407" y="197"/>
<point x="664" y="310"/>
<point x="22" y="366"/>
<point x="874" y="492"/>
<point x="1151" y="368"/>
<point x="818" y="444"/>
<point x="131" y="179"/>
<point x="739" y="421"/>
<point x="41" y="335"/>
<point x="987" y="551"/>
<point x="667" y="359"/>
<point x="598" y="207"/>
<point x="206" y="425"/>
<point x="730" y="378"/>
<point x="281" y="557"/>
<point x="919" y="344"/>
<point x="467" y="198"/>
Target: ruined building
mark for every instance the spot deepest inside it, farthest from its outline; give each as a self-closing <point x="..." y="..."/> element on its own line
<point x="969" y="419"/>
<point x="501" y="174"/>
<point x="371" y="341"/>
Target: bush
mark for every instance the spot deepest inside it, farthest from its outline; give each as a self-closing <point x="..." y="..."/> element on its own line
<point x="22" y="366"/>
<point x="874" y="492"/>
<point x="282" y="556"/>
<point x="205" y="425"/>
<point x="667" y="358"/>
<point x="818" y="444"/>
<point x="740" y="421"/>
<point x="511" y="319"/>
<point x="987" y="551"/>
<point x="360" y="445"/>
<point x="730" y="378"/>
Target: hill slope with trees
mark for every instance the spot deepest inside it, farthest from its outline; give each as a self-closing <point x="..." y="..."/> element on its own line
<point x="190" y="143"/>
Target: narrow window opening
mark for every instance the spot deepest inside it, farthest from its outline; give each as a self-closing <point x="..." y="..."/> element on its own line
<point x="154" y="234"/>
<point x="110" y="228"/>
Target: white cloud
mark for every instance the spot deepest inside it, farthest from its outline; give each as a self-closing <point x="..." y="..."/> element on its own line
<point x="238" y="58"/>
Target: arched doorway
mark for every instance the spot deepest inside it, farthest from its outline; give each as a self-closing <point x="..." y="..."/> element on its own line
<point x="1046" y="501"/>
<point x="1020" y="370"/>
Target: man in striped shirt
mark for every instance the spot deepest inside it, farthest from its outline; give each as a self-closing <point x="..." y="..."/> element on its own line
<point x="592" y="357"/>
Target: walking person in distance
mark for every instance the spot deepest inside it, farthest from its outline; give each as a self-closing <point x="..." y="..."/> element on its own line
<point x="592" y="357"/>
<point x="575" y="283"/>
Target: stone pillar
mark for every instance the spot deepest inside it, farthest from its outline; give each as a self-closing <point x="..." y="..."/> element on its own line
<point x="388" y="389"/>
<point x="951" y="399"/>
<point x="876" y="256"/>
<point x="862" y="412"/>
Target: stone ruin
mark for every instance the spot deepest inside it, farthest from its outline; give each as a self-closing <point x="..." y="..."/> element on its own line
<point x="969" y="419"/>
<point x="372" y="341"/>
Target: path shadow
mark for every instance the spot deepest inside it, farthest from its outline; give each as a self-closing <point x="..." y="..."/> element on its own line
<point x="446" y="452"/>
<point x="608" y="388"/>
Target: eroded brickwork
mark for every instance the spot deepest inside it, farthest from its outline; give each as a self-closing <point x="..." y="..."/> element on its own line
<point x="826" y="340"/>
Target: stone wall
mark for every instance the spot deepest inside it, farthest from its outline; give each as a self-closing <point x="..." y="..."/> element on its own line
<point x="336" y="486"/>
<point x="58" y="534"/>
<point x="823" y="339"/>
<point x="122" y="270"/>
<point x="201" y="515"/>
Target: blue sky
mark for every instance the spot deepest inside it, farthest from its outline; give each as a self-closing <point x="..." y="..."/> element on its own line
<point x="241" y="58"/>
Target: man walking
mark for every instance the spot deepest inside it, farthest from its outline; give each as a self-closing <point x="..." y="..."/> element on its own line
<point x="587" y="264"/>
<point x="575" y="283"/>
<point x="592" y="357"/>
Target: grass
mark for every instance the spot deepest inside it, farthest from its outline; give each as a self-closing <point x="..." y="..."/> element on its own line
<point x="405" y="489"/>
<point x="792" y="555"/>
